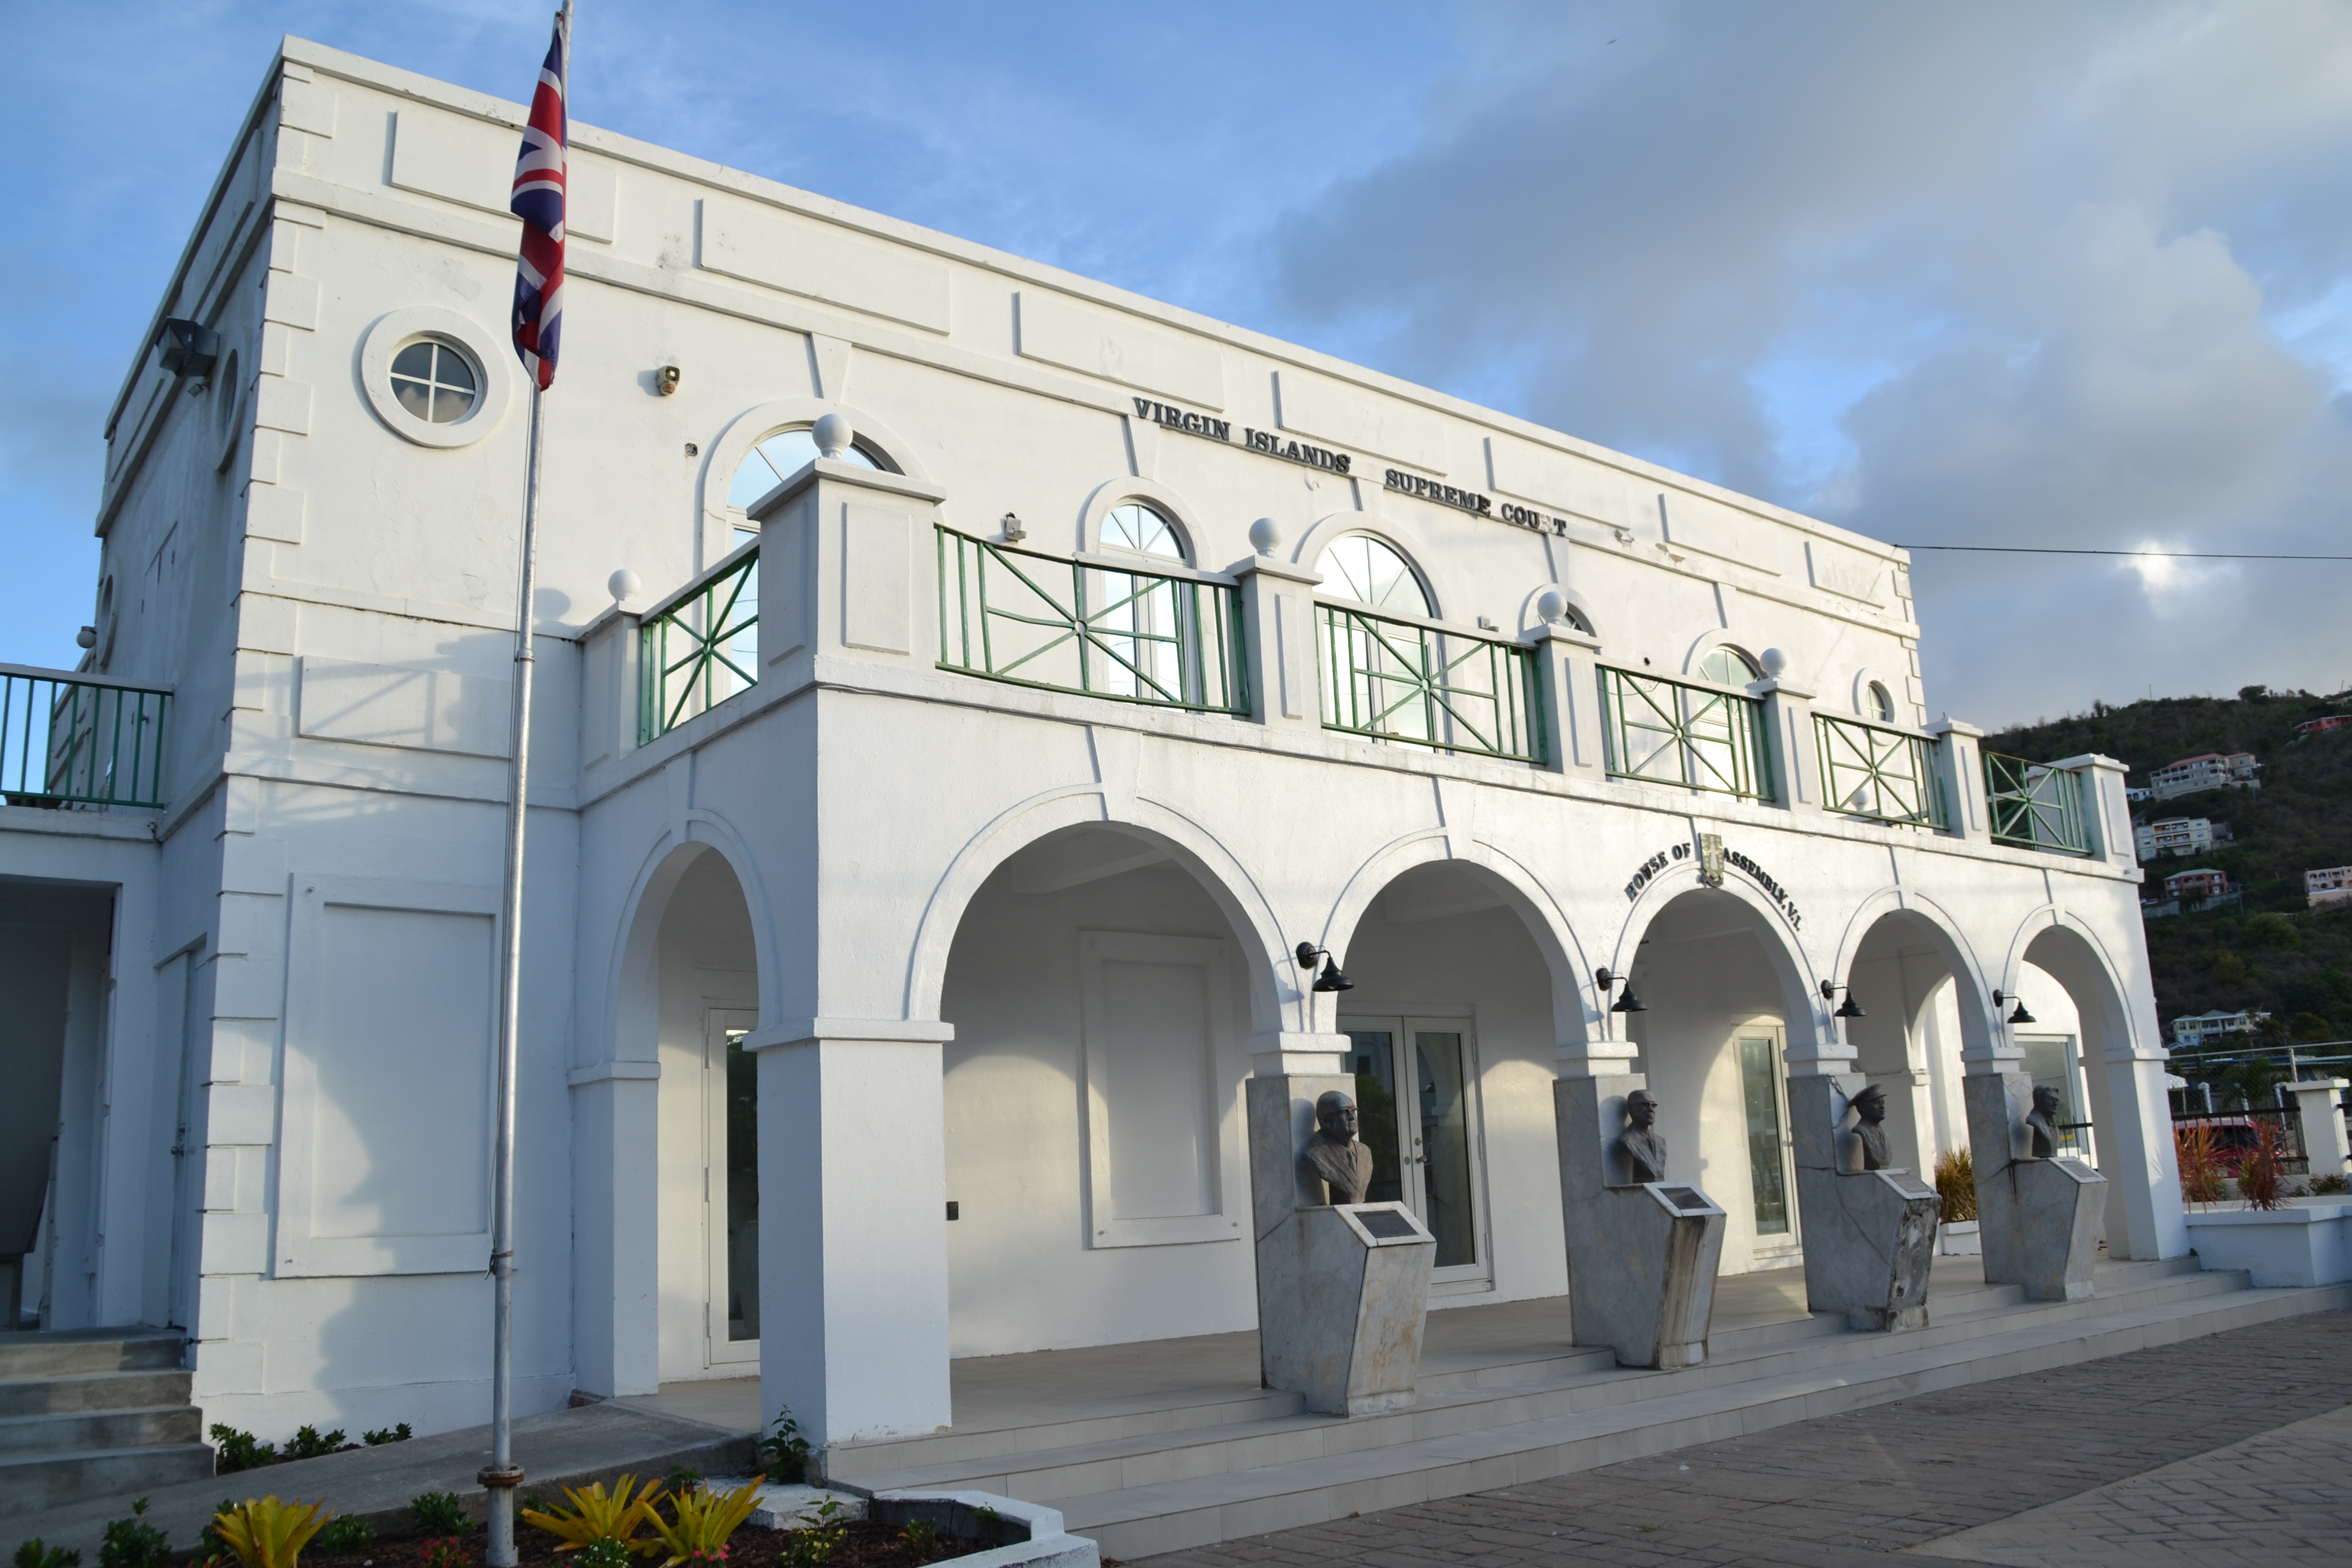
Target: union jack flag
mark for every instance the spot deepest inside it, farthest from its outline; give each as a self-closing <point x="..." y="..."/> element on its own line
<point x="538" y="202"/>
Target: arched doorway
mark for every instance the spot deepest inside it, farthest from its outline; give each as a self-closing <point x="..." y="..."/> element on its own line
<point x="1453" y="1029"/>
<point x="1720" y="998"/>
<point x="1096" y="1180"/>
<point x="1922" y="1007"/>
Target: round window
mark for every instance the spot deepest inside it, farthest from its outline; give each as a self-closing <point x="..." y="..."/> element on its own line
<point x="1882" y="703"/>
<point x="433" y="382"/>
<point x="1139" y="527"/>
<point x="1357" y="566"/>
<point x="1726" y="666"/>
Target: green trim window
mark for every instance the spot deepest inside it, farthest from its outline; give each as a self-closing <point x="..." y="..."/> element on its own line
<point x="1887" y="776"/>
<point x="1142" y="528"/>
<point x="1726" y="666"/>
<point x="1370" y="570"/>
<point x="1391" y="679"/>
<point x="1152" y="638"/>
<point x="1672" y="732"/>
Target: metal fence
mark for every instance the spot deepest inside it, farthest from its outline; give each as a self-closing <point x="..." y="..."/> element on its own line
<point x="700" y="646"/>
<point x="1669" y="732"/>
<point x="1885" y="774"/>
<point x="2034" y="806"/>
<point x="1399" y="680"/>
<point x="72" y="739"/>
<point x="1131" y="635"/>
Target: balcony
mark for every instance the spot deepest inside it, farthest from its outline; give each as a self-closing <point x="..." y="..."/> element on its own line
<point x="2034" y="806"/>
<point x="1418" y="682"/>
<point x="1879" y="773"/>
<point x="1673" y="732"/>
<point x="80" y="739"/>
<point x="700" y="646"/>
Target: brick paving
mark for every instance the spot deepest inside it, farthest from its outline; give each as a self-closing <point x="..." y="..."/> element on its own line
<point x="2076" y="1445"/>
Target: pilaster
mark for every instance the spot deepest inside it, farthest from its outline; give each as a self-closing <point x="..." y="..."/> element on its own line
<point x="1571" y="699"/>
<point x="1278" y="615"/>
<point x="1795" y="760"/>
<point x="1960" y="769"/>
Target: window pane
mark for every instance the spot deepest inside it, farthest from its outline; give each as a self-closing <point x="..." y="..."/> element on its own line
<point x="1761" y="1091"/>
<point x="1364" y="568"/>
<point x="448" y="406"/>
<point x="451" y="369"/>
<point x="415" y="397"/>
<point x="742" y="1190"/>
<point x="1445" y="1145"/>
<point x="416" y="359"/>
<point x="1139" y="527"/>
<point x="1374" y="1053"/>
<point x="780" y="455"/>
<point x="1727" y="667"/>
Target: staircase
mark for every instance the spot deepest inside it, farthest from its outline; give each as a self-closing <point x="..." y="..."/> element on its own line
<point x="92" y="1413"/>
<point x="1192" y="1471"/>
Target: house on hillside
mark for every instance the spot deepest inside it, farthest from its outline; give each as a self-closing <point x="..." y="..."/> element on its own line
<point x="2207" y="770"/>
<point x="2203" y="1028"/>
<point x="2321" y="726"/>
<point x="2331" y="886"/>
<point x="2174" y="835"/>
<point x="2204" y="882"/>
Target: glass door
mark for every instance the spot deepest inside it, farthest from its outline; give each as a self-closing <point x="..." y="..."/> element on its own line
<point x="1427" y="1150"/>
<point x="1767" y="1145"/>
<point x="731" y="1188"/>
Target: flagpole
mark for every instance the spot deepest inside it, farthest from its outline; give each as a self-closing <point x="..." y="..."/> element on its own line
<point x="502" y="1476"/>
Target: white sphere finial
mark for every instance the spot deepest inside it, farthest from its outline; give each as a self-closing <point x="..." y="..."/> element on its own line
<point x="1774" y="662"/>
<point x="1265" y="534"/>
<point x="834" y="435"/>
<point x="1551" y="604"/>
<point x="624" y="585"/>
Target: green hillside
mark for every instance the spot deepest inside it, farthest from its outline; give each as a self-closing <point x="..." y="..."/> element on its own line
<point x="2275" y="955"/>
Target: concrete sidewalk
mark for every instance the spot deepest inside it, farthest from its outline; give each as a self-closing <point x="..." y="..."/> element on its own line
<point x="563" y="1447"/>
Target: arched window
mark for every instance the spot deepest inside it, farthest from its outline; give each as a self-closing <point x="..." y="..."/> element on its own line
<point x="1357" y="566"/>
<point x="1726" y="666"/>
<point x="1882" y="703"/>
<point x="1137" y="527"/>
<point x="772" y="461"/>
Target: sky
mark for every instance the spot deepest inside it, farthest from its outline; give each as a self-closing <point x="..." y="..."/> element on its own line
<point x="2050" y="274"/>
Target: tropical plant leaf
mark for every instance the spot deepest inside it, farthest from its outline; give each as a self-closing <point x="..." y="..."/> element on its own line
<point x="595" y="1515"/>
<point x="270" y="1533"/>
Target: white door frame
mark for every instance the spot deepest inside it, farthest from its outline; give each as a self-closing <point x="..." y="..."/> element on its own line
<point x="1402" y="1025"/>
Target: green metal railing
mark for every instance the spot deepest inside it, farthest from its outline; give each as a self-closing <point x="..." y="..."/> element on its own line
<point x="2033" y="806"/>
<point x="1130" y="635"/>
<point x="70" y="738"/>
<point x="1399" y="680"/>
<point x="701" y="648"/>
<point x="1885" y="774"/>
<point x="1669" y="732"/>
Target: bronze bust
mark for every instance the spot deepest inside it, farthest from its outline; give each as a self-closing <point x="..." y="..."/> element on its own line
<point x="2041" y="1123"/>
<point x="1334" y="1157"/>
<point x="1870" y="1127"/>
<point x="1644" y="1146"/>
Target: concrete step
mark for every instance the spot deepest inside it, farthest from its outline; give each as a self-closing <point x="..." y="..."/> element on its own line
<point x="26" y="1355"/>
<point x="1021" y="1463"/>
<point x="99" y="1431"/>
<point x="29" y="1483"/>
<point x="1136" y="1521"/>
<point x="83" y="1391"/>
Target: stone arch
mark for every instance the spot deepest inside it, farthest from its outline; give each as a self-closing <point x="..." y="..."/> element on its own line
<point x="1401" y="536"/>
<point x="1783" y="945"/>
<point x="1523" y="892"/>
<point x="1899" y="1045"/>
<point x="1161" y="499"/>
<point x="1235" y="892"/>
<point x="756" y="423"/>
<point x="668" y="858"/>
<point x="1933" y="921"/>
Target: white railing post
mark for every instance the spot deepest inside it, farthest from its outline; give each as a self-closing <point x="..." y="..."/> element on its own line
<point x="1794" y="752"/>
<point x="1571" y="699"/>
<point x="2106" y="813"/>
<point x="1279" y="624"/>
<point x="1959" y="766"/>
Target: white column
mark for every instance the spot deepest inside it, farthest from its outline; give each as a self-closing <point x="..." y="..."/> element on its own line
<point x="1278" y="611"/>
<point x="1572" y="695"/>
<point x="616" y="1187"/>
<point x="1796" y="758"/>
<point x="852" y="1227"/>
<point x="2140" y="1153"/>
<point x="1959" y="764"/>
<point x="2322" y="1124"/>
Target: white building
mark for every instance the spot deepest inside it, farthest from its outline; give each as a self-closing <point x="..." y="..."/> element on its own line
<point x="2207" y="770"/>
<point x="2202" y="1028"/>
<point x="968" y="879"/>
<point x="2332" y="884"/>
<point x="2173" y="836"/>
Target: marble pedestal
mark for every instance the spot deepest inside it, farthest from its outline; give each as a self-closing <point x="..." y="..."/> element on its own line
<point x="1870" y="1236"/>
<point x="2041" y="1217"/>
<point x="1342" y="1291"/>
<point x="1641" y="1258"/>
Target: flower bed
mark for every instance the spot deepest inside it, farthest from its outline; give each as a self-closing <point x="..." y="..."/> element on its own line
<point x="2306" y="1242"/>
<point x="860" y="1543"/>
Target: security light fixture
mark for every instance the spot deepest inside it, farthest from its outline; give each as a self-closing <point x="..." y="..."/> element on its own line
<point x="666" y="379"/>
<point x="190" y="348"/>
<point x="1015" y="531"/>
<point x="1849" y="1008"/>
<point x="2001" y="999"/>
<point x="1331" y="979"/>
<point x="1628" y="1002"/>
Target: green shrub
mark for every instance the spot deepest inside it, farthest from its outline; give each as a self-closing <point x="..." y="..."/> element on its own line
<point x="438" y="1513"/>
<point x="378" y="1438"/>
<point x="784" y="1453"/>
<point x="2322" y="1186"/>
<point x="133" y="1543"/>
<point x="343" y="1534"/>
<point x="39" y="1554"/>
<point x="1956" y="1180"/>
<point x="309" y="1445"/>
<point x="240" y="1450"/>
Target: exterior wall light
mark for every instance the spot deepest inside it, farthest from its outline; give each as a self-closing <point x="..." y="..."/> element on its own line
<point x="666" y="379"/>
<point x="190" y="348"/>
<point x="1014" y="530"/>
<point x="1628" y="1002"/>
<point x="1331" y="979"/>
<point x="1849" y="1008"/>
<point x="2001" y="999"/>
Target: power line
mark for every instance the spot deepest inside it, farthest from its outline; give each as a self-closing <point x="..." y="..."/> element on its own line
<point x="2127" y="555"/>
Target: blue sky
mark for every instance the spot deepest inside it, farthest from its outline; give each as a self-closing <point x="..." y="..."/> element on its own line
<point x="2048" y="274"/>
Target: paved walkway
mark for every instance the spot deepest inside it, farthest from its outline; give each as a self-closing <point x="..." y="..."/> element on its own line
<point x="2236" y="1447"/>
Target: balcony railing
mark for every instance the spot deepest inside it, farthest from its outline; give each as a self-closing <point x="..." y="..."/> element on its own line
<point x="1126" y="633"/>
<point x="2034" y="806"/>
<point x="700" y="647"/>
<point x="78" y="741"/>
<point x="1670" y="733"/>
<point x="1887" y="776"/>
<point x="1401" y="681"/>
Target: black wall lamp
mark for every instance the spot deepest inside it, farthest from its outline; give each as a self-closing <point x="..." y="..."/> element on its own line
<point x="1331" y="979"/>
<point x="1849" y="1008"/>
<point x="2001" y="999"/>
<point x="1628" y="1002"/>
